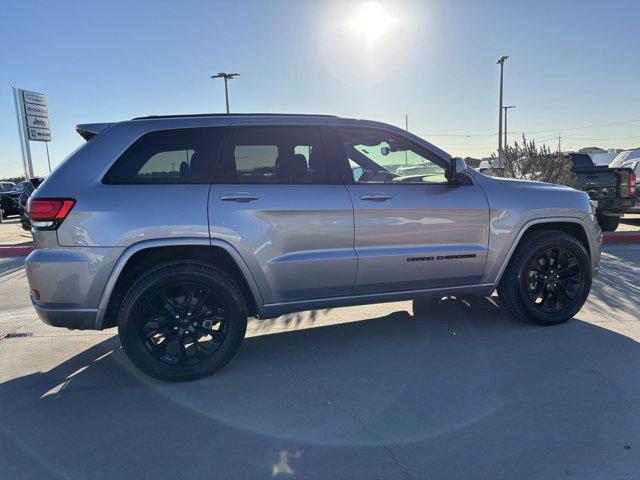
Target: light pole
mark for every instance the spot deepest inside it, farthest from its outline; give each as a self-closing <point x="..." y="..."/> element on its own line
<point x="505" y="122"/>
<point x="500" y="61"/>
<point x="226" y="76"/>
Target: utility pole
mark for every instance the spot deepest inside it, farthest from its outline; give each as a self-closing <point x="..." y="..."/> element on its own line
<point x="226" y="76"/>
<point x="559" y="143"/>
<point x="505" y="122"/>
<point x="500" y="62"/>
<point x="406" y="127"/>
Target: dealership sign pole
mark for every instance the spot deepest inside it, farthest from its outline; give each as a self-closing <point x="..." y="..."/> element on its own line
<point x="32" y="116"/>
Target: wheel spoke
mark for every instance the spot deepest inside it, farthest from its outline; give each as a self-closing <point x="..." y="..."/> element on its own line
<point x="558" y="301"/>
<point x="161" y="313"/>
<point x="198" y="308"/>
<point x="159" y="349"/>
<point x="181" y="358"/>
<point x="196" y="345"/>
<point x="183" y="324"/>
<point x="215" y="334"/>
<point x="174" y="309"/>
<point x="187" y="303"/>
<point x="563" y="289"/>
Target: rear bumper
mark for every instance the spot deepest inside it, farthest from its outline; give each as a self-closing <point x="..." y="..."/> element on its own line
<point x="72" y="318"/>
<point x="614" y="205"/>
<point x="68" y="283"/>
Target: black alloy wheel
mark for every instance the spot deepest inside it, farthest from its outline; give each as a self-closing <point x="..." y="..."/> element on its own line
<point x="182" y="320"/>
<point x="184" y="324"/>
<point x="553" y="280"/>
<point x="547" y="279"/>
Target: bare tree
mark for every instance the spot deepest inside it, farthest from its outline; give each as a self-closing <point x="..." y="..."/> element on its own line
<point x="528" y="161"/>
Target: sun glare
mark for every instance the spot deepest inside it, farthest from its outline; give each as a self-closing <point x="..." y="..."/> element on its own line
<point x="372" y="21"/>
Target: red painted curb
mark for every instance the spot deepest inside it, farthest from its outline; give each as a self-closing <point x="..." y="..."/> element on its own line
<point x="15" y="251"/>
<point x="621" y="237"/>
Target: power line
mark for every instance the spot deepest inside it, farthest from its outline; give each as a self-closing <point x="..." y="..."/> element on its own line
<point x="532" y="131"/>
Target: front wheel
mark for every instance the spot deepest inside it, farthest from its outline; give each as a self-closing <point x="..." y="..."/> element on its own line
<point x="548" y="278"/>
<point x="182" y="320"/>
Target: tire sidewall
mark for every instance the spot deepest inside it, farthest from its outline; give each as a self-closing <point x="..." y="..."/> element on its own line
<point x="130" y="318"/>
<point x="578" y="250"/>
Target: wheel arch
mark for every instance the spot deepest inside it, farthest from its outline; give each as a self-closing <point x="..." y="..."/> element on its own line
<point x="571" y="225"/>
<point x="141" y="256"/>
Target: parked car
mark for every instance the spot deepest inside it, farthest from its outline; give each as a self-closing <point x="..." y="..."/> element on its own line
<point x="25" y="222"/>
<point x="625" y="157"/>
<point x="614" y="189"/>
<point x="10" y="200"/>
<point x="6" y="186"/>
<point x="177" y="229"/>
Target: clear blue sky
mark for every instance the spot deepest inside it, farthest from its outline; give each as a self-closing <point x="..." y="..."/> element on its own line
<point x="573" y="64"/>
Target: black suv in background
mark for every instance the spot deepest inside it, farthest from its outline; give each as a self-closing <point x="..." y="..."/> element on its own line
<point x="613" y="188"/>
<point x="14" y="201"/>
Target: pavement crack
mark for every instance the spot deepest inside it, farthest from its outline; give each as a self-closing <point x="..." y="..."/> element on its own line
<point x="586" y="368"/>
<point x="357" y="420"/>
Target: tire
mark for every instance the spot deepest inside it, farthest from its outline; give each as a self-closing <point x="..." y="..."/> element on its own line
<point x="608" y="223"/>
<point x="182" y="320"/>
<point x="423" y="307"/>
<point x="526" y="277"/>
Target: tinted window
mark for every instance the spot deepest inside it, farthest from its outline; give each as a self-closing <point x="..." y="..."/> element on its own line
<point x="377" y="156"/>
<point x="581" y="160"/>
<point x="274" y="155"/>
<point x="169" y="156"/>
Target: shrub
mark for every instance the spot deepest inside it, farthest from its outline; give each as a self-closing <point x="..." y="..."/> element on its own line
<point x="528" y="161"/>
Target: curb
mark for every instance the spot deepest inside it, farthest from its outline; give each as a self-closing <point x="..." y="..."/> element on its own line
<point x="617" y="238"/>
<point x="15" y="251"/>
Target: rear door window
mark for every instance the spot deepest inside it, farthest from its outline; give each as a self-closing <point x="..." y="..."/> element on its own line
<point x="186" y="155"/>
<point x="277" y="155"/>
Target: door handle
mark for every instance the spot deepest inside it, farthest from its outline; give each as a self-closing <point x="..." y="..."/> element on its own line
<point x="376" y="197"/>
<point x="238" y="197"/>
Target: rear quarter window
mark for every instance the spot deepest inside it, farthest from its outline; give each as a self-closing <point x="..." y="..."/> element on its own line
<point x="180" y="156"/>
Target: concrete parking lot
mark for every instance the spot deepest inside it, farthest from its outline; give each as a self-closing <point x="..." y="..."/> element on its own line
<point x="366" y="392"/>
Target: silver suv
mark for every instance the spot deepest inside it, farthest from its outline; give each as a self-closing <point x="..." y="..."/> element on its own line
<point x="176" y="229"/>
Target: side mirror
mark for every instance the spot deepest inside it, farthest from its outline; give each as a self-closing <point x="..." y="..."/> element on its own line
<point x="457" y="167"/>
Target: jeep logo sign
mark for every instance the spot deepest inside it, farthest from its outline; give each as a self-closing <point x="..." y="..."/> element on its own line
<point x="36" y="114"/>
<point x="37" y="122"/>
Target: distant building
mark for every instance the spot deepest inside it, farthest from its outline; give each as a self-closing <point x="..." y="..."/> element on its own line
<point x="591" y="150"/>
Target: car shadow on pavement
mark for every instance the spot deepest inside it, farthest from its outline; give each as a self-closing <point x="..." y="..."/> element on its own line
<point x="463" y="392"/>
<point x="617" y="286"/>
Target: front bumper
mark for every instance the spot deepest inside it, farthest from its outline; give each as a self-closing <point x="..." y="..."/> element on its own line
<point x="72" y="318"/>
<point x="595" y="244"/>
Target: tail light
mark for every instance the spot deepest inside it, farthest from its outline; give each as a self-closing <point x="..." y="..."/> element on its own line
<point x="48" y="213"/>
<point x="632" y="184"/>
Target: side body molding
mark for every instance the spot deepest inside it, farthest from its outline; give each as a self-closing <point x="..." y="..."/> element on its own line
<point x="137" y="247"/>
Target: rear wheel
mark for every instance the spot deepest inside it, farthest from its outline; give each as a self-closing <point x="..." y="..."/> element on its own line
<point x="548" y="278"/>
<point x="182" y="320"/>
<point x="608" y="223"/>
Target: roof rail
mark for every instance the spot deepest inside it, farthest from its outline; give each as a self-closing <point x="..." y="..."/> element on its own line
<point x="234" y="115"/>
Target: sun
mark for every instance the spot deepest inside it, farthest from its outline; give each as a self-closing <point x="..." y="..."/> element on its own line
<point x="372" y="21"/>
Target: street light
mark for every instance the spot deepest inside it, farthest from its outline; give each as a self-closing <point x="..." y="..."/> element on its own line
<point x="500" y="61"/>
<point x="505" y="122"/>
<point x="226" y="76"/>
